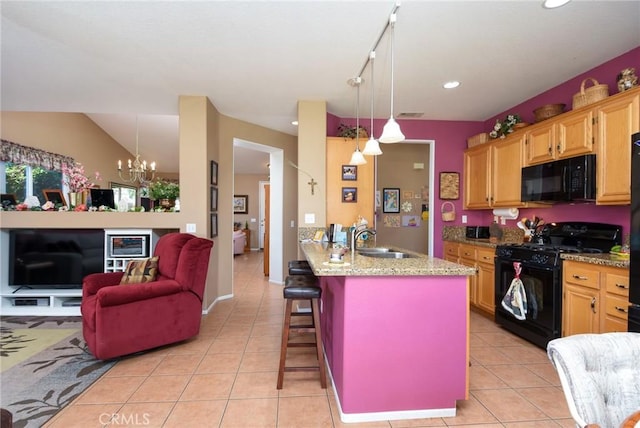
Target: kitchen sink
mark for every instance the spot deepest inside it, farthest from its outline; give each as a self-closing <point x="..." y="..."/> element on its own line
<point x="384" y="253"/>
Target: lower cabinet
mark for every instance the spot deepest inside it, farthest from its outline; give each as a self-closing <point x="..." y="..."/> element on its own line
<point x="486" y="279"/>
<point x="595" y="298"/>
<point x="481" y="285"/>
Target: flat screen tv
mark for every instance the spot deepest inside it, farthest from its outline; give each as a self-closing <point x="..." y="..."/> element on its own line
<point x="54" y="258"/>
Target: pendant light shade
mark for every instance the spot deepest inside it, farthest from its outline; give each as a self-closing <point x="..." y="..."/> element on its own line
<point x="391" y="132"/>
<point x="357" y="158"/>
<point x="372" y="148"/>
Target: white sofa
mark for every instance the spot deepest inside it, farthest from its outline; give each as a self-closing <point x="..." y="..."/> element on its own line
<point x="239" y="241"/>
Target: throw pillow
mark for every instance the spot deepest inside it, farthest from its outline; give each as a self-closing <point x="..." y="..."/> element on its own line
<point x="140" y="271"/>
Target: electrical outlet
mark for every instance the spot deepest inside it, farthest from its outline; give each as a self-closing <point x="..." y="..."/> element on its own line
<point x="503" y="221"/>
<point x="464" y="219"/>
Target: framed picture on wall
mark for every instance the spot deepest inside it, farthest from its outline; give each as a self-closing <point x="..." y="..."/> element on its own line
<point x="349" y="194"/>
<point x="349" y="172"/>
<point x="449" y="185"/>
<point x="390" y="200"/>
<point x="214" y="226"/>
<point x="214" y="173"/>
<point x="214" y="199"/>
<point x="240" y="204"/>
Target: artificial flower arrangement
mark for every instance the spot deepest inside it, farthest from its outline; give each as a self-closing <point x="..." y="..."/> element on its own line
<point x="76" y="179"/>
<point x="504" y="128"/>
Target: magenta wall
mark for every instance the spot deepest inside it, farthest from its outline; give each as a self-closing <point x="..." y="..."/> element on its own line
<point x="451" y="141"/>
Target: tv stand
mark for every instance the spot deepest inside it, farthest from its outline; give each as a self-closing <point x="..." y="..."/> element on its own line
<point x="41" y="302"/>
<point x="26" y="301"/>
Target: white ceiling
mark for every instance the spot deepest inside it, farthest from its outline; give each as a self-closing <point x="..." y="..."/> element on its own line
<point x="116" y="60"/>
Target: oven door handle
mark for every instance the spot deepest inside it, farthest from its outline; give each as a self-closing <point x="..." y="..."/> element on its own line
<point x="526" y="265"/>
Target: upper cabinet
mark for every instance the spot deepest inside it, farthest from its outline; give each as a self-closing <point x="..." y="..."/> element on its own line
<point x="568" y="135"/>
<point x="616" y="119"/>
<point x="492" y="174"/>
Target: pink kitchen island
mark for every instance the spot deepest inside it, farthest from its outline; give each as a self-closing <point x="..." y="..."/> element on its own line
<point x="395" y="334"/>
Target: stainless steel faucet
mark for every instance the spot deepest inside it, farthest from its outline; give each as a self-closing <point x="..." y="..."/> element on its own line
<point x="355" y="234"/>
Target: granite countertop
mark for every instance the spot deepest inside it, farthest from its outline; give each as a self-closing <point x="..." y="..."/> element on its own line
<point x="598" y="259"/>
<point x="317" y="255"/>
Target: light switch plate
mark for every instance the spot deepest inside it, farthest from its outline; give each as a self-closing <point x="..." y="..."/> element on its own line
<point x="191" y="228"/>
<point x="464" y="219"/>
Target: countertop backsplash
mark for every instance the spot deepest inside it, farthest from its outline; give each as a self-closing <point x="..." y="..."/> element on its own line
<point x="457" y="233"/>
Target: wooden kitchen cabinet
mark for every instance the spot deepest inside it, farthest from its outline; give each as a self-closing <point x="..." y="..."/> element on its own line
<point x="616" y="119"/>
<point x="568" y="135"/>
<point x="485" y="287"/>
<point x="595" y="298"/>
<point x="450" y="251"/>
<point x="468" y="258"/>
<point x="477" y="177"/>
<point x="492" y="174"/>
<point x="540" y="141"/>
<point x="616" y="287"/>
<point x="481" y="285"/>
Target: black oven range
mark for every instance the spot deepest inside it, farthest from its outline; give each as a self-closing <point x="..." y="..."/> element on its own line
<point x="542" y="274"/>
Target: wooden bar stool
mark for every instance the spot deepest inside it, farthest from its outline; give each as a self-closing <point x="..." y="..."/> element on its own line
<point x="302" y="287"/>
<point x="300" y="267"/>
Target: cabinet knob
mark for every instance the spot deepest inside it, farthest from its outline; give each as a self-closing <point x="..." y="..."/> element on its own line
<point x="593" y="305"/>
<point x="623" y="286"/>
<point x="620" y="309"/>
<point x="581" y="278"/>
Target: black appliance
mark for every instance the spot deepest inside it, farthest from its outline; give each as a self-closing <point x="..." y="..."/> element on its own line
<point x="54" y="258"/>
<point x="542" y="274"/>
<point x="477" y="232"/>
<point x="565" y="180"/>
<point x="634" y="239"/>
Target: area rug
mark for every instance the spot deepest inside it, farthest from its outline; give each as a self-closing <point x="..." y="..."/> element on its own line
<point x="45" y="365"/>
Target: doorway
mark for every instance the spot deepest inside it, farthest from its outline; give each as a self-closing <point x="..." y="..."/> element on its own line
<point x="411" y="226"/>
<point x="276" y="215"/>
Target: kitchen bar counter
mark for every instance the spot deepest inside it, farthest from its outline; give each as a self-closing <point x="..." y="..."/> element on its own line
<point x="395" y="334"/>
<point x="357" y="265"/>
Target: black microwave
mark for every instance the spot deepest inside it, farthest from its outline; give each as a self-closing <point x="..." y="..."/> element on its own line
<point x="565" y="180"/>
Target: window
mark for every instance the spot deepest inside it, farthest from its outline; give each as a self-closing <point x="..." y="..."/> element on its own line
<point x="24" y="180"/>
<point x="122" y="192"/>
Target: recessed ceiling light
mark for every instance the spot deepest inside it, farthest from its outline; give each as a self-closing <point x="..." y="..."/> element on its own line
<point x="294" y="123"/>
<point x="451" y="85"/>
<point x="552" y="4"/>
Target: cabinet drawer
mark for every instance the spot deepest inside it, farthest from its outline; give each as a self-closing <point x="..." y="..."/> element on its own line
<point x="617" y="284"/>
<point x="614" y="324"/>
<point x="617" y="306"/>
<point x="581" y="274"/>
<point x="485" y="255"/>
<point x="451" y="249"/>
<point x="468" y="252"/>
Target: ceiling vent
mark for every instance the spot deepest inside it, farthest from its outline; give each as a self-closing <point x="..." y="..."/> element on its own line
<point x="409" y="115"/>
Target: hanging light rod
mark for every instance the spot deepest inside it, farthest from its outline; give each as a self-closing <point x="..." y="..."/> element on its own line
<point x="394" y="10"/>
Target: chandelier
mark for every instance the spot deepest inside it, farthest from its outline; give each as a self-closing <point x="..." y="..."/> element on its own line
<point x="137" y="168"/>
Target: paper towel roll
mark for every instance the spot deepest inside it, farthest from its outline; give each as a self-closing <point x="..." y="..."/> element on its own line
<point x="507" y="213"/>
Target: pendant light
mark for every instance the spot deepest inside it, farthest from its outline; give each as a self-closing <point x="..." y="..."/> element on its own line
<point x="357" y="158"/>
<point x="391" y="132"/>
<point x="372" y="148"/>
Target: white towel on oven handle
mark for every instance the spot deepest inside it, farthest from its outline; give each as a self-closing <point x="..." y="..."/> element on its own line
<point x="515" y="301"/>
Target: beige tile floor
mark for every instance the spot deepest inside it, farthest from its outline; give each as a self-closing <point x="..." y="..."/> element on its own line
<point x="226" y="377"/>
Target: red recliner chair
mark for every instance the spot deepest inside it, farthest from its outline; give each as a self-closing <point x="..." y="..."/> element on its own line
<point x="122" y="319"/>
